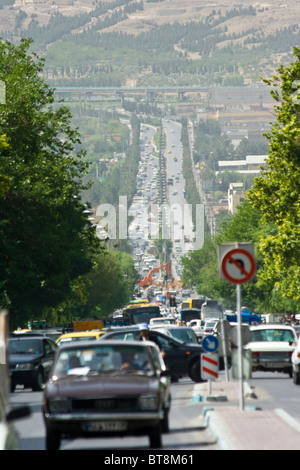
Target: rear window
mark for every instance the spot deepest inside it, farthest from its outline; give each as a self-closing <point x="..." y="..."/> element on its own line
<point x="273" y="335"/>
<point x="25" y="346"/>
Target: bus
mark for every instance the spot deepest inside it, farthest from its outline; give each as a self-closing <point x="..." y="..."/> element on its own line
<point x="193" y="303"/>
<point x="135" y="315"/>
<point x="189" y="315"/>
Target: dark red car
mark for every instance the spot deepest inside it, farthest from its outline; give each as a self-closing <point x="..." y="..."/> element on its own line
<point x="111" y="388"/>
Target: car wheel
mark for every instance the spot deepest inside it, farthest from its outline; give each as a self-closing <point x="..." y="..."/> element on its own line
<point x="195" y="372"/>
<point x="155" y="437"/>
<point x="296" y="378"/>
<point x="39" y="382"/>
<point x="52" y="439"/>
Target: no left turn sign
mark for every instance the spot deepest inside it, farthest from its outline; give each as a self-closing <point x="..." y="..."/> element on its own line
<point x="238" y="266"/>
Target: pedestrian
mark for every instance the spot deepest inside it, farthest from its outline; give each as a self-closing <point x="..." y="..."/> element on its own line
<point x="144" y="331"/>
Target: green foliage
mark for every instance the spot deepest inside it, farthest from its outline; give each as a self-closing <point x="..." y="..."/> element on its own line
<point x="120" y="180"/>
<point x="107" y="287"/>
<point x="277" y="192"/>
<point x="201" y="267"/>
<point x="270" y="217"/>
<point x="45" y="242"/>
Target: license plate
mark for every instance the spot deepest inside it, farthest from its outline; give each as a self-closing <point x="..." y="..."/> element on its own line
<point x="108" y="426"/>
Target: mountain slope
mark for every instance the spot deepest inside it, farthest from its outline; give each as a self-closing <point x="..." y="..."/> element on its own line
<point x="155" y="42"/>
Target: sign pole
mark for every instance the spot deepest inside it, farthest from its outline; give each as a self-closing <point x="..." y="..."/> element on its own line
<point x="240" y="345"/>
<point x="224" y="342"/>
<point x="209" y="386"/>
<point x="237" y="265"/>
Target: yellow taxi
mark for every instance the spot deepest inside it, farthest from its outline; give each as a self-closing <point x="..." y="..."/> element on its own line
<point x="79" y="336"/>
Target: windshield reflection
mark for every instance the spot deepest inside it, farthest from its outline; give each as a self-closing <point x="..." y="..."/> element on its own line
<point x="102" y="359"/>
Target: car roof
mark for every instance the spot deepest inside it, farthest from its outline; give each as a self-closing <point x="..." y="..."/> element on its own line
<point x="151" y="330"/>
<point x="75" y="334"/>
<point x="116" y="342"/>
<point x="27" y="337"/>
<point x="175" y="327"/>
<point x="28" y="334"/>
<point x="271" y="325"/>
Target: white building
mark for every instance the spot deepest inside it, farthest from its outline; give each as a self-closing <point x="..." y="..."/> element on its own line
<point x="251" y="165"/>
<point x="236" y="193"/>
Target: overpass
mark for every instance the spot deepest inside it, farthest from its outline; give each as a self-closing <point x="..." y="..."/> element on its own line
<point x="250" y="94"/>
<point x="148" y="92"/>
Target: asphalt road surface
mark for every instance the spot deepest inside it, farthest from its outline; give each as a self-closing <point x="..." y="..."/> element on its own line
<point x="187" y="431"/>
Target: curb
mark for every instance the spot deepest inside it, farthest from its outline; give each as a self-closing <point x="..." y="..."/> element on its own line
<point x="200" y="396"/>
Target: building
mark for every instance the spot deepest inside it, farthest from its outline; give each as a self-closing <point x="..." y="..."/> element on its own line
<point x="251" y="165"/>
<point x="236" y="193"/>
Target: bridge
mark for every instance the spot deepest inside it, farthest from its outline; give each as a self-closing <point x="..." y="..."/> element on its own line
<point x="238" y="94"/>
<point x="150" y="92"/>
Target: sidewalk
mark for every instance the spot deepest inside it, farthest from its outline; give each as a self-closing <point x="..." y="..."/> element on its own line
<point x="249" y="428"/>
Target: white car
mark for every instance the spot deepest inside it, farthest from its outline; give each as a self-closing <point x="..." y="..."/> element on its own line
<point x="272" y="346"/>
<point x="296" y="364"/>
<point x="161" y="321"/>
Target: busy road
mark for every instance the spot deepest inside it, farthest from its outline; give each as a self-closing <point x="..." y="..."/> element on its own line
<point x="186" y="425"/>
<point x="177" y="223"/>
<point x="187" y="429"/>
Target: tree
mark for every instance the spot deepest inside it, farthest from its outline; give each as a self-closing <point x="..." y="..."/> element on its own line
<point x="45" y="241"/>
<point x="201" y="267"/>
<point x="277" y="191"/>
<point x="107" y="287"/>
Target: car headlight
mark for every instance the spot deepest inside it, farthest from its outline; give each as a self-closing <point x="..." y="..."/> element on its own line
<point x="148" y="402"/>
<point x="24" y="366"/>
<point x="60" y="405"/>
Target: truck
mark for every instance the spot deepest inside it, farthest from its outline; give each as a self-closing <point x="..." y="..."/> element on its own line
<point x="197" y="326"/>
<point x="134" y="316"/>
<point x="189" y="314"/>
<point x="211" y="309"/>
<point x="247" y="317"/>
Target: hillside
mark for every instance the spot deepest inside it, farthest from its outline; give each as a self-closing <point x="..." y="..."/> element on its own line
<point x="155" y="42"/>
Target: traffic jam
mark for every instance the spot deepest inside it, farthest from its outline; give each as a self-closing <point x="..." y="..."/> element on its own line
<point x="115" y="378"/>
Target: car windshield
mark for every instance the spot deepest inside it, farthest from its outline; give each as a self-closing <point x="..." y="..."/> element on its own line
<point x="184" y="335"/>
<point x="210" y="325"/>
<point x="25" y="346"/>
<point x="103" y="359"/>
<point x="273" y="334"/>
<point x="166" y="321"/>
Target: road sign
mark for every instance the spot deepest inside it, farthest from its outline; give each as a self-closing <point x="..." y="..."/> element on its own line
<point x="210" y="344"/>
<point x="238" y="266"/>
<point x="209" y="366"/>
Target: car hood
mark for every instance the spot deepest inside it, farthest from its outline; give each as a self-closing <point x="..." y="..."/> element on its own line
<point x="22" y="358"/>
<point x="108" y="384"/>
